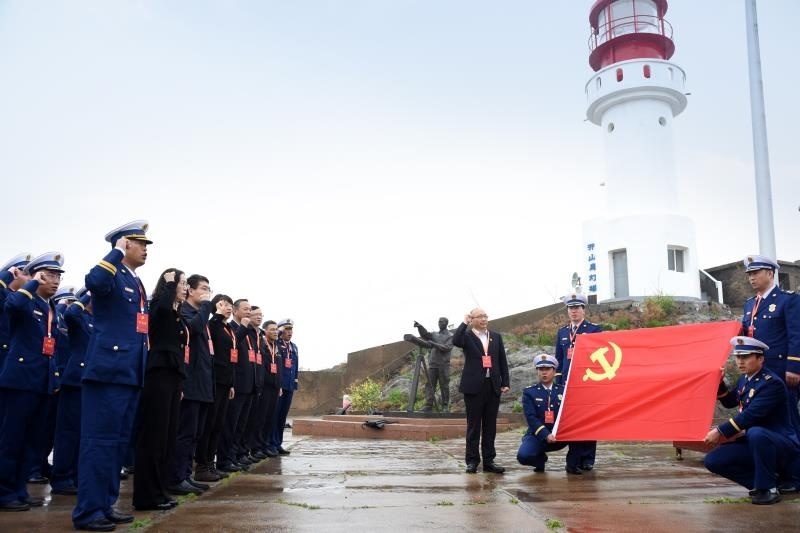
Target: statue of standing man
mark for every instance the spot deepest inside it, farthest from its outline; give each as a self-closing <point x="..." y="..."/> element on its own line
<point x="438" y="364"/>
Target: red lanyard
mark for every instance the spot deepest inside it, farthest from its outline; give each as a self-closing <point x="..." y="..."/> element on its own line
<point x="272" y="349"/>
<point x="49" y="321"/>
<point x="755" y="310"/>
<point x="573" y="334"/>
<point x="229" y="333"/>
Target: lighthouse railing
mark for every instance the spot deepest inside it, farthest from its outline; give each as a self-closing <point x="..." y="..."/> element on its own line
<point x="617" y="27"/>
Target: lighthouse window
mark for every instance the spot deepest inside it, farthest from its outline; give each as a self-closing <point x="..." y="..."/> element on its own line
<point x="610" y="127"/>
<point x="646" y="71"/>
<point x="619" y="74"/>
<point x="662" y="121"/>
<point x="675" y="258"/>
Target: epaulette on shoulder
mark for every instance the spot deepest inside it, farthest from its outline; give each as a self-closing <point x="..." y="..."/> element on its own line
<point x="751" y="298"/>
<point x="786" y="292"/>
<point x="767" y="376"/>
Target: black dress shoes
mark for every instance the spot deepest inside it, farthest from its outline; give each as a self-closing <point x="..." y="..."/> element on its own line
<point x="538" y="469"/>
<point x="38" y="480"/>
<point x="472" y="468"/>
<point x="119" y="518"/>
<point x="101" y="524"/>
<point x="766" y="497"/>
<point x="493" y="468"/>
<point x="14" y="506"/>
<point x="574" y="470"/>
<point x="183" y="488"/>
<point x="271" y="452"/>
<point x="33" y="501"/>
<point x="283" y="451"/>
<point x="164" y="506"/>
<point x="195" y="484"/>
<point x="70" y="490"/>
<point x="587" y="466"/>
<point x="788" y="488"/>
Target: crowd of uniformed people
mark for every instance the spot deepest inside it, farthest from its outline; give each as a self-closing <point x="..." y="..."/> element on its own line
<point x="758" y="448"/>
<point x="179" y="388"/>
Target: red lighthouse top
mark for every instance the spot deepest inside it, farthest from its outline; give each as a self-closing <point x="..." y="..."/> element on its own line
<point x="629" y="29"/>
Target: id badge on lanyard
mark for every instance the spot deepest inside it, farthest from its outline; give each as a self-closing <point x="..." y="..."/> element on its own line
<point x="49" y="343"/>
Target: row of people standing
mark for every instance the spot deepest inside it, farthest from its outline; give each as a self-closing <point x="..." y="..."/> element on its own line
<point x="160" y="377"/>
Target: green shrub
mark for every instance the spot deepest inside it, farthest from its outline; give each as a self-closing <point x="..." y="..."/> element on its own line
<point x="398" y="399"/>
<point x="545" y="338"/>
<point x="516" y="408"/>
<point x="365" y="396"/>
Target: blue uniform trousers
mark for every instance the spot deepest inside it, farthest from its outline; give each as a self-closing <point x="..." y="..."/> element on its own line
<point x="191" y="422"/>
<point x="40" y="452"/>
<point x="281" y="412"/>
<point x="107" y="415"/>
<point x="532" y="451"/>
<point x="22" y="423"/>
<point x="238" y="409"/>
<point x="68" y="439"/>
<point x="759" y="460"/>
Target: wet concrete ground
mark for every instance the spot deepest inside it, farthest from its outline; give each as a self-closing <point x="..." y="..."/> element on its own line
<point x="356" y="485"/>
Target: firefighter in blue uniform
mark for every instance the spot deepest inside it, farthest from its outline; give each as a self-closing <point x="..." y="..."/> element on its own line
<point x="773" y="317"/>
<point x="289" y="361"/>
<point x="565" y="345"/>
<point x="541" y="403"/>
<point x="26" y="378"/>
<point x="113" y="376"/>
<point x="12" y="277"/>
<point x="766" y="449"/>
<point x="78" y="321"/>
<point x="42" y="471"/>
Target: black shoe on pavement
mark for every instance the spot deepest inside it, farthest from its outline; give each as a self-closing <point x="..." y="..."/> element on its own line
<point x="38" y="480"/>
<point x="201" y="486"/>
<point x="69" y="490"/>
<point x="472" y="468"/>
<point x="164" y="506"/>
<point x="183" y="488"/>
<point x="766" y="497"/>
<point x="587" y="467"/>
<point x="101" y="524"/>
<point x="119" y="518"/>
<point x="34" y="501"/>
<point x="574" y="470"/>
<point x="14" y="506"/>
<point x="283" y="451"/>
<point x="259" y="455"/>
<point x="245" y="460"/>
<point x="493" y="467"/>
<point x="206" y="475"/>
<point x="227" y="467"/>
<point x="788" y="488"/>
<point x="242" y="467"/>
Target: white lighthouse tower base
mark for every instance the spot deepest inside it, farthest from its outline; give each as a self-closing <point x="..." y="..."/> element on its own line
<point x="642" y="255"/>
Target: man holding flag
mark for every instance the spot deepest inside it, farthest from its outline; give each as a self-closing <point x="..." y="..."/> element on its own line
<point x="766" y="448"/>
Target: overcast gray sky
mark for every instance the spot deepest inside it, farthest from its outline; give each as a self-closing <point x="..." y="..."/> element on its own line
<point x="358" y="165"/>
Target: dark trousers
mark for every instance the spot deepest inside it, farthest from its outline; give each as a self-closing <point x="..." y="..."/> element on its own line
<point x="215" y="423"/>
<point x="481" y="423"/>
<point x="68" y="439"/>
<point x="107" y="414"/>
<point x="192" y="420"/>
<point x="255" y="423"/>
<point x="22" y="419"/>
<point x="281" y="412"/>
<point x="532" y="451"/>
<point x="270" y="405"/>
<point x="239" y="408"/>
<point x="756" y="461"/>
<point x="440" y="377"/>
<point x="155" y="444"/>
<point x="40" y="466"/>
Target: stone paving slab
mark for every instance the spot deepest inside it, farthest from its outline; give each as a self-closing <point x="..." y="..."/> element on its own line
<point x="367" y="485"/>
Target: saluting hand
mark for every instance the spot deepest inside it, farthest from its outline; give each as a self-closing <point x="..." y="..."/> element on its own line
<point x="245" y="322"/>
<point x="467" y="319"/>
<point x="221" y="307"/>
<point x="121" y="244"/>
<point x="39" y="276"/>
<point x="792" y="379"/>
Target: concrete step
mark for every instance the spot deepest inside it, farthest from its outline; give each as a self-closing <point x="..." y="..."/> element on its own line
<point x="350" y="426"/>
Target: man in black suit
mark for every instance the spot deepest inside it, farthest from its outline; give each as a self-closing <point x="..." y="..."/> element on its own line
<point x="484" y="378"/>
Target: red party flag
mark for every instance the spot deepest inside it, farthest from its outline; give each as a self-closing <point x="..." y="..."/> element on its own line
<point x="655" y="384"/>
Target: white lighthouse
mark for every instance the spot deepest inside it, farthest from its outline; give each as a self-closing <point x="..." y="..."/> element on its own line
<point x="643" y="245"/>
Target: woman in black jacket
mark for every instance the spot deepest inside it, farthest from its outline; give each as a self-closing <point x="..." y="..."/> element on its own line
<point x="161" y="395"/>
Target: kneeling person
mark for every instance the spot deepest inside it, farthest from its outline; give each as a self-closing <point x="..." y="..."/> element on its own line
<point x="766" y="447"/>
<point x="540" y="404"/>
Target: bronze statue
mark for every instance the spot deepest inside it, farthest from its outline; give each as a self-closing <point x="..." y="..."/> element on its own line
<point x="441" y="345"/>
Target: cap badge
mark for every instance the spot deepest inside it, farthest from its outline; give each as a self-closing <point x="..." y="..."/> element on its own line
<point x="739" y="341"/>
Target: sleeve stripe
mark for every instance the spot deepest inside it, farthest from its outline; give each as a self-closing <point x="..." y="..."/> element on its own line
<point x="108" y="266"/>
<point x="538" y="430"/>
<point x="80" y="305"/>
<point x="734" y="425"/>
<point x="792" y="358"/>
<point x="3" y="283"/>
<point x="26" y="293"/>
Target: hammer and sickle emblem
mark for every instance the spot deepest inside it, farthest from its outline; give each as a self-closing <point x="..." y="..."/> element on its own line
<point x="609" y="369"/>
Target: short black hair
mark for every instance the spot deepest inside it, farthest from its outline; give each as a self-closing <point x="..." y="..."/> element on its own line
<point x="218" y="297"/>
<point x="238" y="302"/>
<point x="266" y="324"/>
<point x="254" y="308"/>
<point x="195" y="279"/>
